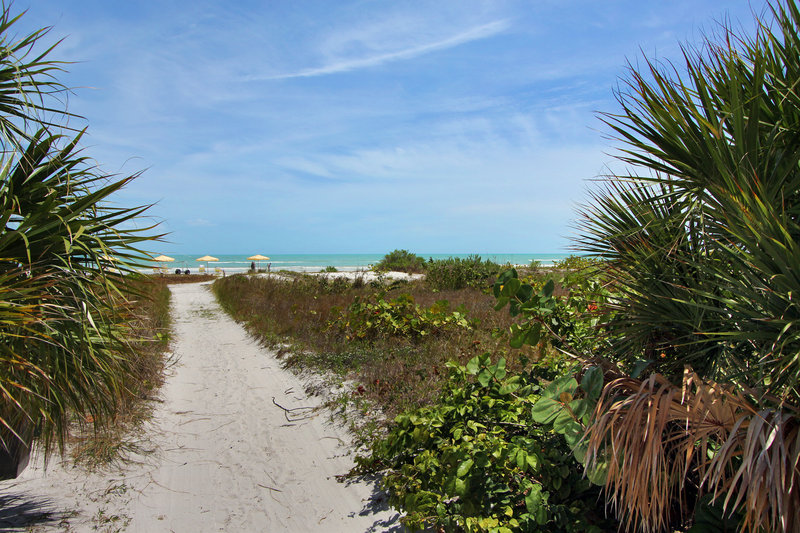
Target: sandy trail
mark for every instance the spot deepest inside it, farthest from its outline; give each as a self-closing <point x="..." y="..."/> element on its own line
<point x="225" y="457"/>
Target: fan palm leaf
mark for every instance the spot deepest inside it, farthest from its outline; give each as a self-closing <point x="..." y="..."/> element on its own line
<point x="57" y="238"/>
<point x="702" y="237"/>
<point x="705" y="242"/>
<point x="658" y="438"/>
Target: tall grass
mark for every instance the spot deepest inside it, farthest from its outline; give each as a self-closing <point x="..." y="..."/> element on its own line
<point x="147" y="305"/>
<point x="301" y="318"/>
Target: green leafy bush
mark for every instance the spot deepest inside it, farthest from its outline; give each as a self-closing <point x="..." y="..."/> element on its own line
<point x="331" y="268"/>
<point x="478" y="461"/>
<point x="398" y="317"/>
<point x="401" y="261"/>
<point x="575" y="262"/>
<point x="573" y="322"/>
<point x="457" y="273"/>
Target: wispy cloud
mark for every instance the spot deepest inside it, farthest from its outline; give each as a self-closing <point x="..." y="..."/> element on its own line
<point x="473" y="34"/>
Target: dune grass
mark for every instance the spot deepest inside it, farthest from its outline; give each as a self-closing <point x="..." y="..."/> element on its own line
<point x="312" y="322"/>
<point x="95" y="445"/>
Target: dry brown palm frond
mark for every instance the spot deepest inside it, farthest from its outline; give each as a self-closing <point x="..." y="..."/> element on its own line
<point x="756" y="467"/>
<point x="661" y="441"/>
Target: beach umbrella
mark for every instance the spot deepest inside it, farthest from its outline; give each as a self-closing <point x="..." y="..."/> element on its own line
<point x="258" y="257"/>
<point x="163" y="259"/>
<point x="207" y="258"/>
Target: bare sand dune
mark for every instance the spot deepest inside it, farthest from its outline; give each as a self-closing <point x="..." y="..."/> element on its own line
<point x="224" y="456"/>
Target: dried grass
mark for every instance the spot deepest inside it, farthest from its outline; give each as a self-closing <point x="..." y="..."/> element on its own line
<point x="394" y="373"/>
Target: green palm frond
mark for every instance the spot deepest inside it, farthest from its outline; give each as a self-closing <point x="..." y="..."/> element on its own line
<point x="67" y="256"/>
<point x="30" y="92"/>
<point x="702" y="240"/>
<point x="703" y="236"/>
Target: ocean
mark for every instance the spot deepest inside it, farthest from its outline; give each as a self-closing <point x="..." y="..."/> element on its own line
<point x="318" y="262"/>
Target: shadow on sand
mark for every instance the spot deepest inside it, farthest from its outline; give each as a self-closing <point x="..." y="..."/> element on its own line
<point x="377" y="503"/>
<point x="18" y="512"/>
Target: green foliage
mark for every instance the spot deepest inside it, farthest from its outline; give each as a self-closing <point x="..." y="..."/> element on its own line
<point x="479" y="461"/>
<point x="400" y="261"/>
<point x="65" y="250"/>
<point x="457" y="273"/>
<point x="573" y="322"/>
<point x="331" y="268"/>
<point x="703" y="235"/>
<point x="398" y="317"/>
<point x="397" y="373"/>
<point x="576" y="263"/>
<point x="710" y="517"/>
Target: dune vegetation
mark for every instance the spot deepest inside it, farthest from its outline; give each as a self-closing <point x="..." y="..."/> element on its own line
<point x="70" y="332"/>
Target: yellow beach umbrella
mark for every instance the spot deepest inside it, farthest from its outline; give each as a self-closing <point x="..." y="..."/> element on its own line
<point x="258" y="257"/>
<point x="162" y="259"/>
<point x="207" y="258"/>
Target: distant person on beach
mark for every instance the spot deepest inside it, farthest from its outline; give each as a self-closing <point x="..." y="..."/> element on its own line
<point x="253" y="266"/>
<point x="269" y="267"/>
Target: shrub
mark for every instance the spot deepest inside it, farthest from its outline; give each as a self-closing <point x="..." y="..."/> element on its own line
<point x="702" y="239"/>
<point x="399" y="317"/>
<point x="475" y="462"/>
<point x="401" y="261"/>
<point x="575" y="263"/>
<point x="457" y="273"/>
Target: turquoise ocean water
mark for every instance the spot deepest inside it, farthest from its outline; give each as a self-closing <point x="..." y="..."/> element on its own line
<point x="342" y="262"/>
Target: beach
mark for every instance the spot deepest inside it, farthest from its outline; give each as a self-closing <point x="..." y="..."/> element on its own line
<point x="309" y="263"/>
<point x="235" y="444"/>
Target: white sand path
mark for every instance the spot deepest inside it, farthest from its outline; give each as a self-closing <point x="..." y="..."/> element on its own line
<point x="225" y="456"/>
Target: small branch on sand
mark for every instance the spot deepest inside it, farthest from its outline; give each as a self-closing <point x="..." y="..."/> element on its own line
<point x="297" y="413"/>
<point x="270" y="488"/>
<point x="343" y="443"/>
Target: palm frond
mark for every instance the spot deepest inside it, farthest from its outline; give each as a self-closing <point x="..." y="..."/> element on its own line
<point x="662" y="441"/>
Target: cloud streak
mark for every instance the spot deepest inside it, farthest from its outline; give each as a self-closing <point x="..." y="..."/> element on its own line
<point x="483" y="31"/>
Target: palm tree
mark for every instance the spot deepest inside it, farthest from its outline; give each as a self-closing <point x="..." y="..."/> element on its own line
<point x="65" y="253"/>
<point x="702" y="237"/>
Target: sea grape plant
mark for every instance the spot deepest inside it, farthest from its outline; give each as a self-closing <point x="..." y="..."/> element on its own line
<point x="572" y="324"/>
<point x="479" y="460"/>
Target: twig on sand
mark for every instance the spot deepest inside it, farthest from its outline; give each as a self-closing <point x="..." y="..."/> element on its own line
<point x="343" y="443"/>
<point x="298" y="413"/>
<point x="270" y="488"/>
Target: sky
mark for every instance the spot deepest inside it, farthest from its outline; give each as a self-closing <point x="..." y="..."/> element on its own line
<point x="359" y="126"/>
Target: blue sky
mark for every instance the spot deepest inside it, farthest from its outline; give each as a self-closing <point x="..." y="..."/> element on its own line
<point x="359" y="126"/>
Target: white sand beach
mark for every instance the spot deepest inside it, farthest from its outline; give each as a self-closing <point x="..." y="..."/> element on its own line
<point x="369" y="275"/>
<point x="225" y="454"/>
